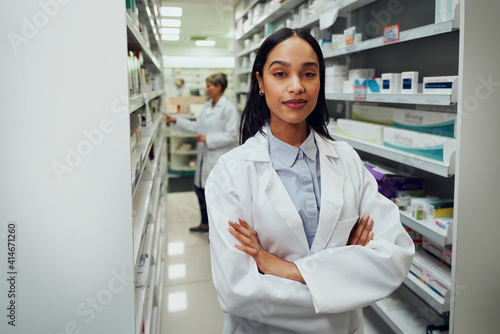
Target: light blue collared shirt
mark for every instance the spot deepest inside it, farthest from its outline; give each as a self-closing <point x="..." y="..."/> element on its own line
<point x="299" y="170"/>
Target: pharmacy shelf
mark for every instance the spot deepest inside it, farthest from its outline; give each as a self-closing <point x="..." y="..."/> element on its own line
<point x="436" y="302"/>
<point x="413" y="160"/>
<point x="424" y="99"/>
<point x="179" y="152"/>
<point x="251" y="48"/>
<point x="141" y="204"/>
<point x="245" y="12"/>
<point x="139" y="158"/>
<point x="149" y="15"/>
<point x="405" y="313"/>
<point x="404" y="36"/>
<point x="285" y="7"/>
<point x="137" y="101"/>
<point x="137" y="43"/>
<point x="435" y="234"/>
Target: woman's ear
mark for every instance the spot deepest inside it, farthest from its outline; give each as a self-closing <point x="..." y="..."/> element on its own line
<point x="259" y="80"/>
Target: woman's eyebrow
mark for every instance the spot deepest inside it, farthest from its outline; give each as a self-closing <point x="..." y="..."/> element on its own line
<point x="287" y="64"/>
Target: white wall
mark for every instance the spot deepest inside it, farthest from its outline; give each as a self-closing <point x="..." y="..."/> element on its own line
<point x="475" y="265"/>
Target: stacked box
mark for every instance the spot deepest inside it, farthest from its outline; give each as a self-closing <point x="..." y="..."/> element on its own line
<point x="335" y="75"/>
<point x="389" y="182"/>
<point x="439" y="148"/>
<point x="362" y="131"/>
<point x="391" y="83"/>
<point x="372" y="114"/>
<point x="437" y="123"/>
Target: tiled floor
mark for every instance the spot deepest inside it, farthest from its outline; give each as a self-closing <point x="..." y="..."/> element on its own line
<point x="190" y="304"/>
<point x="189" y="300"/>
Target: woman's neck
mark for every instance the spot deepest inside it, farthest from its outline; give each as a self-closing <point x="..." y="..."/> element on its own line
<point x="216" y="99"/>
<point x="292" y="134"/>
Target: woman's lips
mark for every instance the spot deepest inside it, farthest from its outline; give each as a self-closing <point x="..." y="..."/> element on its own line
<point x="295" y="104"/>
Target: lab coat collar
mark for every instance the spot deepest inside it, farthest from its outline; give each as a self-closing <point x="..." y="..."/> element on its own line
<point x="332" y="183"/>
<point x="332" y="197"/>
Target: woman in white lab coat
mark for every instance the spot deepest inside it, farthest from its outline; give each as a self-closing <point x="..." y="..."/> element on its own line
<point x="217" y="129"/>
<point x="314" y="242"/>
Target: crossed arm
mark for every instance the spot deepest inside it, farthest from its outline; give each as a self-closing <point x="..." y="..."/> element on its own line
<point x="269" y="263"/>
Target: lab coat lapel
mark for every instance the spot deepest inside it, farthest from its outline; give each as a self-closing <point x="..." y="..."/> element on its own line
<point x="257" y="149"/>
<point x="280" y="200"/>
<point x="332" y="199"/>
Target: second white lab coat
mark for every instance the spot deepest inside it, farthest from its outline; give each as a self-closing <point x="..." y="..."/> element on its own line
<point x="340" y="279"/>
<point x="220" y="126"/>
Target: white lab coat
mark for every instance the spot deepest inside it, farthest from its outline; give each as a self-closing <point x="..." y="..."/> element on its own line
<point x="220" y="125"/>
<point x="340" y="279"/>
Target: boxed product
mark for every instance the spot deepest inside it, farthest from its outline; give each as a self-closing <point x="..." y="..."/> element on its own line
<point x="338" y="41"/>
<point x="439" y="208"/>
<point x="437" y="123"/>
<point x="362" y="131"/>
<point x="418" y="207"/>
<point x="335" y="75"/>
<point x="391" y="83"/>
<point x="389" y="181"/>
<point x="348" y="87"/>
<point x="439" y="85"/>
<point x="374" y="85"/>
<point x="361" y="73"/>
<point x="409" y="82"/>
<point x="433" y="249"/>
<point x="438" y="278"/>
<point x="350" y="36"/>
<point x="421" y="262"/>
<point x="403" y="197"/>
<point x="439" y="148"/>
<point x="372" y="114"/>
<point x="446" y="224"/>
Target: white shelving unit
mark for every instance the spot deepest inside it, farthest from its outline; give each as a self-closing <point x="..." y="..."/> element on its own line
<point x="419" y="295"/>
<point x="149" y="169"/>
<point x="181" y="160"/>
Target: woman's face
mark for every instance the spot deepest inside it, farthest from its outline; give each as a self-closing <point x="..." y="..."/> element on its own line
<point x="212" y="90"/>
<point x="290" y="81"/>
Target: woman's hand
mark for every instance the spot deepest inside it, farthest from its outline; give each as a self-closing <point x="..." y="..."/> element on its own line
<point x="362" y="233"/>
<point x="266" y="262"/>
<point x="169" y="119"/>
<point x="201" y="138"/>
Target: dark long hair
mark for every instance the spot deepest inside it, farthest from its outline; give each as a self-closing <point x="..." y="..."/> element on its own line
<point x="257" y="113"/>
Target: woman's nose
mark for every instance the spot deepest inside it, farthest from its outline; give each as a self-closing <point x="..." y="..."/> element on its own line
<point x="295" y="85"/>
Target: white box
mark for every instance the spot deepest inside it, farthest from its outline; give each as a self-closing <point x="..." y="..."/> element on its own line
<point x="391" y="83"/>
<point x="335" y="75"/>
<point x="409" y="82"/>
<point x="361" y="73"/>
<point x="438" y="278"/>
<point x="439" y="148"/>
<point x="348" y="87"/>
<point x="446" y="224"/>
<point x="362" y="131"/>
<point x="439" y="85"/>
<point x="338" y="41"/>
<point x="421" y="263"/>
<point x="437" y="123"/>
<point x="372" y="114"/>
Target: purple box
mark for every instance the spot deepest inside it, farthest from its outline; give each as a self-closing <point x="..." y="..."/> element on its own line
<point x="389" y="182"/>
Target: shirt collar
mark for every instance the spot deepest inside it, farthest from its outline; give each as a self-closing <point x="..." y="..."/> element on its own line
<point x="287" y="154"/>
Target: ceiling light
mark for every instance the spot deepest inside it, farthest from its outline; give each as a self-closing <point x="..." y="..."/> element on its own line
<point x="170" y="37"/>
<point x="204" y="43"/>
<point x="170" y="31"/>
<point x="171" y="11"/>
<point x="170" y="23"/>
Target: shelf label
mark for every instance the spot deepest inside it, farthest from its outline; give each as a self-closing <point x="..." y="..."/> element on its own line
<point x="391" y="34"/>
<point x="360" y="93"/>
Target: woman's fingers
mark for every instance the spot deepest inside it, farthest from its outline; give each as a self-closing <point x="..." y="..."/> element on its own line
<point x="367" y="233"/>
<point x="357" y="230"/>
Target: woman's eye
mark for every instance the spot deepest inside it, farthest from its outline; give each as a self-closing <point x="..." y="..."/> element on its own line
<point x="279" y="74"/>
<point x="310" y="74"/>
